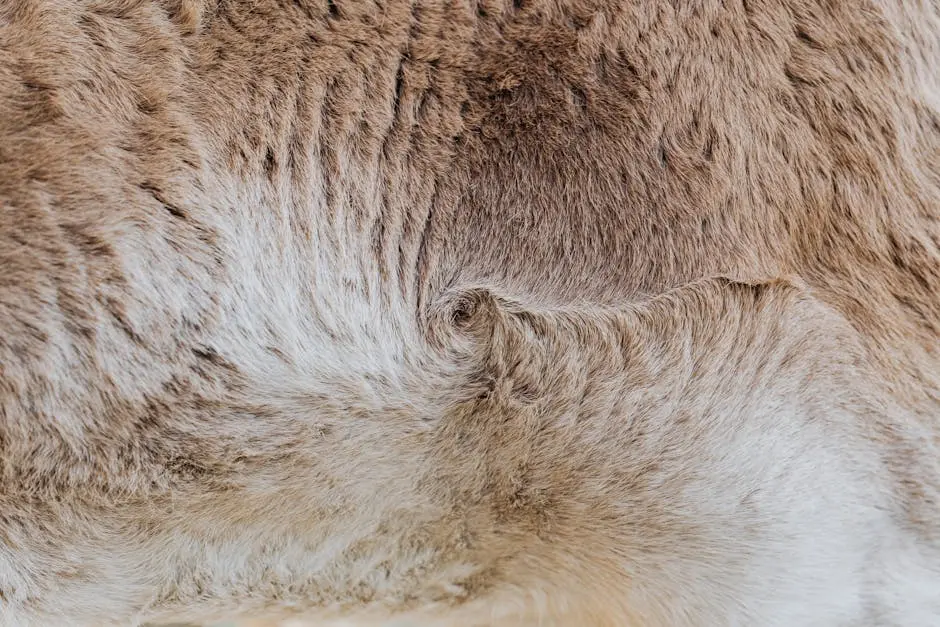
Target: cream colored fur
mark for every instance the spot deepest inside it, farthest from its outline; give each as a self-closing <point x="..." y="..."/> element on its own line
<point x="565" y="313"/>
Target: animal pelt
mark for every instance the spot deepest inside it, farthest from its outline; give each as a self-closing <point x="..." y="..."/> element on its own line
<point x="571" y="313"/>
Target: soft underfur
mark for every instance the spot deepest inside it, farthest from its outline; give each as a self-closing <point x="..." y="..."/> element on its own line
<point x="570" y="313"/>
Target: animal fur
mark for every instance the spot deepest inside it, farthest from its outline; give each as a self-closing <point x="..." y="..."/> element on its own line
<point x="572" y="313"/>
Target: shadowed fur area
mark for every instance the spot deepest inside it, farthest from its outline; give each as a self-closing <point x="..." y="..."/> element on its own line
<point x="470" y="313"/>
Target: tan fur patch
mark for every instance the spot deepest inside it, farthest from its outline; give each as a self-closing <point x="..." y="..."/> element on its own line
<point x="484" y="312"/>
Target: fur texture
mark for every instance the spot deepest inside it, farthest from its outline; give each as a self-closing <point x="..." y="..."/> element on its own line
<point x="568" y="313"/>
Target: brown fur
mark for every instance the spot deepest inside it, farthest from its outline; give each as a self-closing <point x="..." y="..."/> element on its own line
<point x="476" y="312"/>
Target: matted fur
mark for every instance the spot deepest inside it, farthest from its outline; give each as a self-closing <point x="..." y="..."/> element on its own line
<point x="503" y="313"/>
